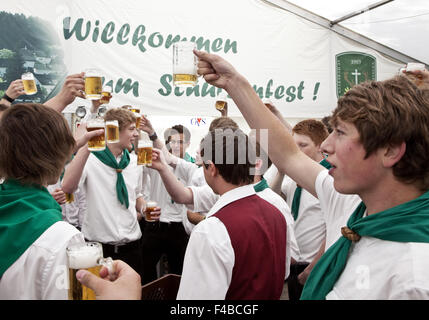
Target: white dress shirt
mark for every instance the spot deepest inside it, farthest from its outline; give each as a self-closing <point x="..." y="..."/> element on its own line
<point x="376" y="269"/>
<point x="107" y="220"/>
<point x="41" y="272"/>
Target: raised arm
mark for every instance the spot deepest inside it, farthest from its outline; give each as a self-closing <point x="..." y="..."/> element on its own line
<point x="73" y="87"/>
<point x="74" y="170"/>
<point x="15" y="89"/>
<point x="178" y="192"/>
<point x="281" y="147"/>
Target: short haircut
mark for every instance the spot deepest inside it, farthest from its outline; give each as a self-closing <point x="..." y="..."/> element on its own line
<point x="36" y="142"/>
<point x="124" y="117"/>
<point x="327" y="122"/>
<point x="387" y="113"/>
<point x="177" y="129"/>
<point x="228" y="150"/>
<point x="3" y="107"/>
<point x="314" y="129"/>
<point x="223" y="122"/>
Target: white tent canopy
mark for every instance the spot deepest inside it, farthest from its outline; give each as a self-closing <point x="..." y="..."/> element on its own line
<point x="402" y="25"/>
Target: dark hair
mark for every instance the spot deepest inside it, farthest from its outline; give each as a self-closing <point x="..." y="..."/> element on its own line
<point x="387" y="113"/>
<point x="228" y="150"/>
<point x="3" y="107"/>
<point x="223" y="122"/>
<point x="327" y="122"/>
<point x="177" y="129"/>
<point x="36" y="142"/>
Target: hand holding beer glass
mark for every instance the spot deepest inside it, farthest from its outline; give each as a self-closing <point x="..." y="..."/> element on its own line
<point x="93" y="84"/>
<point x="87" y="256"/>
<point x="29" y="83"/>
<point x="184" y="64"/>
<point x="144" y="152"/>
<point x="112" y="131"/>
<point x="152" y="211"/>
<point x="96" y="143"/>
<point x="106" y="95"/>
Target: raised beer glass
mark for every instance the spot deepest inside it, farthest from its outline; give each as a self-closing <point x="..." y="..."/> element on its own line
<point x="29" y="83"/>
<point x="97" y="143"/>
<point x="106" y="95"/>
<point x="93" y="84"/>
<point x="89" y="256"/>
<point x="221" y="102"/>
<point x="112" y="131"/>
<point x="144" y="153"/>
<point x="184" y="64"/>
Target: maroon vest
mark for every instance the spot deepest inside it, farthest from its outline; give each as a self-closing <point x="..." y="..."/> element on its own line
<point x="257" y="231"/>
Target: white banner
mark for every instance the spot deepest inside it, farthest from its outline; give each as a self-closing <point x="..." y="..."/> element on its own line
<point x="286" y="58"/>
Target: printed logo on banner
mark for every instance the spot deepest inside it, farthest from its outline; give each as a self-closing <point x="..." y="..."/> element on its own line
<point x="198" y="122"/>
<point x="353" y="68"/>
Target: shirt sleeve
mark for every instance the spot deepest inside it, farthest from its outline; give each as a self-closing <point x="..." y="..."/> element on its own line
<point x="204" y="198"/>
<point x="184" y="170"/>
<point x="208" y="263"/>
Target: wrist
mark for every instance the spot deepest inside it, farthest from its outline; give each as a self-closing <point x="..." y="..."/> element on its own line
<point x="153" y="136"/>
<point x="8" y="98"/>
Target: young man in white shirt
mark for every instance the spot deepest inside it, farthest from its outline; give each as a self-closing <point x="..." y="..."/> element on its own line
<point x="113" y="207"/>
<point x="378" y="150"/>
<point x="225" y="249"/>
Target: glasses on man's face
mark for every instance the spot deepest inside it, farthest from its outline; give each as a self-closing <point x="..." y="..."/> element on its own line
<point x="173" y="142"/>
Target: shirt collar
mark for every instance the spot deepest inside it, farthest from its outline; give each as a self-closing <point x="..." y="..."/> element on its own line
<point x="231" y="196"/>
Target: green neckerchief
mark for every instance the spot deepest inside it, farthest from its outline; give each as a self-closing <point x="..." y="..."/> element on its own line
<point x="262" y="185"/>
<point x="188" y="158"/>
<point x="108" y="159"/>
<point x="408" y="222"/>
<point x="297" y="194"/>
<point x="25" y="213"/>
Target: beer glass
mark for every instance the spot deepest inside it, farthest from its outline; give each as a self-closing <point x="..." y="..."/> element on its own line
<point x="93" y="84"/>
<point x="69" y="197"/>
<point x="89" y="256"/>
<point x="184" y="64"/>
<point x="29" y="83"/>
<point x="150" y="207"/>
<point x="97" y="143"/>
<point x="106" y="95"/>
<point x="112" y="131"/>
<point x="138" y="120"/>
<point x="221" y="102"/>
<point x="135" y="109"/>
<point x="144" y="153"/>
<point x="414" y="66"/>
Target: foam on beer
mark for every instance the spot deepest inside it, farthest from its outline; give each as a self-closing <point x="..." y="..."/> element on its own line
<point x="151" y="204"/>
<point x="145" y="144"/>
<point x="84" y="257"/>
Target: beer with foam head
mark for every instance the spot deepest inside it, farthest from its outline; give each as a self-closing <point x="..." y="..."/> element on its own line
<point x="93" y="84"/>
<point x="144" y="153"/>
<point x="150" y="207"/>
<point x="184" y="64"/>
<point x="106" y="95"/>
<point x="29" y="83"/>
<point x="83" y="256"/>
<point x="221" y="102"/>
<point x="97" y="143"/>
<point x="138" y="120"/>
<point x="112" y="131"/>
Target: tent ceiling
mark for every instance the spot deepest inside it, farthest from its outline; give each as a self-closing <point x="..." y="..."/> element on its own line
<point x="402" y="25"/>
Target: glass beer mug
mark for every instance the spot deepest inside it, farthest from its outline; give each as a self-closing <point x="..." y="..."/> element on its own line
<point x="89" y="256"/>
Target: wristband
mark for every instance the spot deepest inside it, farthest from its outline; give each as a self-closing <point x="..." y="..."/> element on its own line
<point x="153" y="136"/>
<point x="5" y="96"/>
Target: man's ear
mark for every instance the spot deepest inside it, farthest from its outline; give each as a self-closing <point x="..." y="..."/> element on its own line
<point x="392" y="154"/>
<point x="213" y="171"/>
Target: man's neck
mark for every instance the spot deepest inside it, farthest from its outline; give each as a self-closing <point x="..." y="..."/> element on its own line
<point x="115" y="149"/>
<point x="226" y="187"/>
<point x="388" y="195"/>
